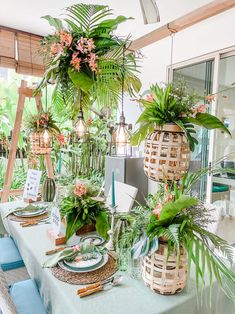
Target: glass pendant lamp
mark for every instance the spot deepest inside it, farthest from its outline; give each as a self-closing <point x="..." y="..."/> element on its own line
<point x="80" y="126"/>
<point x="122" y="141"/>
<point x="45" y="138"/>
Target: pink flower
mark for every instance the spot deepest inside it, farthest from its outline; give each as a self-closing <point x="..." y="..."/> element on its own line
<point x="56" y="48"/>
<point x="157" y="210"/>
<point x="76" y="247"/>
<point x="150" y="98"/>
<point x="90" y="44"/>
<point x="75" y="62"/>
<point x="61" y="139"/>
<point x="65" y="39"/>
<point x="80" y="189"/>
<point x="85" y="45"/>
<point x="199" y="109"/>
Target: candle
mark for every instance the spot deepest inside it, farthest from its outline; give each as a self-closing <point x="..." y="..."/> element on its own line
<point x="59" y="163"/>
<point x="113" y="190"/>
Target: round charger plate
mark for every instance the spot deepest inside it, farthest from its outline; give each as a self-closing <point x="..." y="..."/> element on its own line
<point x="92" y="239"/>
<point x="85" y="265"/>
<point x="28" y="214"/>
<point x="67" y="268"/>
<point x="100" y="274"/>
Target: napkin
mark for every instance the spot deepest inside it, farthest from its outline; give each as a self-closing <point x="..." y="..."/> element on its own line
<point x="29" y="207"/>
<point x="68" y="254"/>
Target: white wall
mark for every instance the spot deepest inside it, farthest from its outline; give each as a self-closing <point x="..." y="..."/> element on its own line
<point x="210" y="35"/>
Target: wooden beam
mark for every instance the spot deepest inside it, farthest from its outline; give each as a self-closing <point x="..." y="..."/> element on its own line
<point x="211" y="9"/>
<point x="14" y="192"/>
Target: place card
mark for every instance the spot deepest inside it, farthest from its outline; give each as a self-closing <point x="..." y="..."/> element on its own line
<point x="56" y="233"/>
<point x="32" y="185"/>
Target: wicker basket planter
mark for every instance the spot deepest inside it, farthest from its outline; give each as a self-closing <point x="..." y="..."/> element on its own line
<point x="36" y="141"/>
<point x="165" y="276"/>
<point x="166" y="154"/>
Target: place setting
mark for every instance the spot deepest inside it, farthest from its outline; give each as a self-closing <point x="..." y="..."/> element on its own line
<point x="89" y="262"/>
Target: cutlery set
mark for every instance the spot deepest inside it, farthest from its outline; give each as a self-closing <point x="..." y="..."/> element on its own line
<point x="35" y="222"/>
<point x="100" y="286"/>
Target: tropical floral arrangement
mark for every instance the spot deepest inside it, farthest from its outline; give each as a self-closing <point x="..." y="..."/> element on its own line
<point x="174" y="217"/>
<point x="85" y="57"/>
<point x="81" y="207"/>
<point x="171" y="103"/>
<point x="38" y="122"/>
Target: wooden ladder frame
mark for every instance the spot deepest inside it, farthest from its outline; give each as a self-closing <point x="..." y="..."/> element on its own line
<point x="24" y="92"/>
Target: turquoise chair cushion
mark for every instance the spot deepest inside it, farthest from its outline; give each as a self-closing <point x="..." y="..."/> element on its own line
<point x="26" y="298"/>
<point x="10" y="257"/>
<point x="220" y="188"/>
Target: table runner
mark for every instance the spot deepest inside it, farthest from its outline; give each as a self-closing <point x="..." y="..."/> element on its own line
<point x="133" y="297"/>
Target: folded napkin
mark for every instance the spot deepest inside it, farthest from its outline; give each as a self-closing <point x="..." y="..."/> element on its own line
<point x="29" y="207"/>
<point x="70" y="253"/>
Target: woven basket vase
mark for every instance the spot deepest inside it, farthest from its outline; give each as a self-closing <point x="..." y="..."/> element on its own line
<point x="166" y="154"/>
<point x="165" y="276"/>
<point x="36" y="141"/>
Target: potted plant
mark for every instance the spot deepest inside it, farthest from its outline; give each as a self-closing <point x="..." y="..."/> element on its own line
<point x="168" y="125"/>
<point x="85" y="57"/>
<point x="171" y="232"/>
<point x="41" y="128"/>
<point x="81" y="208"/>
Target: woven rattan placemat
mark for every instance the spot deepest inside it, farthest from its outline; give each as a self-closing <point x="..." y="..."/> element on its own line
<point x="86" y="278"/>
<point x="27" y="219"/>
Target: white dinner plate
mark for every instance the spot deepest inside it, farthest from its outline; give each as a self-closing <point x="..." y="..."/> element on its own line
<point x="29" y="214"/>
<point x="65" y="267"/>
<point x="85" y="264"/>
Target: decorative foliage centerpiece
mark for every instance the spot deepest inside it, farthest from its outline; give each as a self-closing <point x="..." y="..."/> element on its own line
<point x="171" y="232"/>
<point x="168" y="125"/>
<point x="84" y="56"/>
<point x="81" y="207"/>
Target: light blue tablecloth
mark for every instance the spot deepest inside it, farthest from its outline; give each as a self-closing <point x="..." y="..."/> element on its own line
<point x="133" y="297"/>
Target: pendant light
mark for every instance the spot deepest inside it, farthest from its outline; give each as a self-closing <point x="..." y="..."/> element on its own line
<point x="172" y="34"/>
<point x="45" y="139"/>
<point x="80" y="126"/>
<point x="122" y="141"/>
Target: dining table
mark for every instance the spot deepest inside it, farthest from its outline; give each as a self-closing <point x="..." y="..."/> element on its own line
<point x="131" y="297"/>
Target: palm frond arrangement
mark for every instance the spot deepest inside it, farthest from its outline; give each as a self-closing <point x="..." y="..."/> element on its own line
<point x="180" y="220"/>
<point x="84" y="55"/>
<point x="171" y="103"/>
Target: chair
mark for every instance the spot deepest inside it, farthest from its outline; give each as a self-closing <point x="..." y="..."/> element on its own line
<point x="22" y="298"/>
<point x="124" y="196"/>
<point x="10" y="257"/>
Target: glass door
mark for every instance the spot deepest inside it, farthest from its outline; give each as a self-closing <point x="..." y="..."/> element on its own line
<point x="223" y="187"/>
<point x="199" y="79"/>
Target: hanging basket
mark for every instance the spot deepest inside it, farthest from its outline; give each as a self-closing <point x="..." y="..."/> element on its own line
<point x="36" y="141"/>
<point x="162" y="275"/>
<point x="166" y="154"/>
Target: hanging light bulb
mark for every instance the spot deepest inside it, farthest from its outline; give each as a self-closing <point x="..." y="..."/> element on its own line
<point x="80" y="126"/>
<point x="122" y="135"/>
<point x="45" y="138"/>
